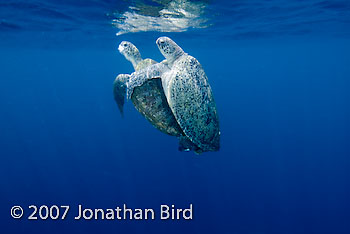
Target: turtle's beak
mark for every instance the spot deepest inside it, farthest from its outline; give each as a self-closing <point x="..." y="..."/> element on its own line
<point x="120" y="48"/>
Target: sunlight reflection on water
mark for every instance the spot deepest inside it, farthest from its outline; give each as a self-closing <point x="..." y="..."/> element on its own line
<point x="173" y="16"/>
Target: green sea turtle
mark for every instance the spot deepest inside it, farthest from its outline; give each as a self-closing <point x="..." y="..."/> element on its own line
<point x="187" y="91"/>
<point x="149" y="98"/>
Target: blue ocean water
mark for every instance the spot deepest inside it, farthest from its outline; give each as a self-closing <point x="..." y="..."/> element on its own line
<point x="280" y="74"/>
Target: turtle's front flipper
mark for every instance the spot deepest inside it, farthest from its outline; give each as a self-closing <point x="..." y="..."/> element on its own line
<point x="119" y="90"/>
<point x="139" y="77"/>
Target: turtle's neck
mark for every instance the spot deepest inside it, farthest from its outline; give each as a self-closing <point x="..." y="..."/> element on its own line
<point x="135" y="60"/>
<point x="177" y="54"/>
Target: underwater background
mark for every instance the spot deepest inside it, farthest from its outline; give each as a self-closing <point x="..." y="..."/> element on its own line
<point x="280" y="74"/>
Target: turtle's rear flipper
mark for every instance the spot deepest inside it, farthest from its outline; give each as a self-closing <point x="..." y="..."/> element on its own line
<point x="119" y="91"/>
<point x="186" y="145"/>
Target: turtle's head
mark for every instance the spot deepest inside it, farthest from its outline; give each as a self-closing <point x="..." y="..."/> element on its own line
<point x="170" y="50"/>
<point x="130" y="52"/>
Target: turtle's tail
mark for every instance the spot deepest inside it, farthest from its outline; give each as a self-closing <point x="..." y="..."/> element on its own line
<point x="119" y="91"/>
<point x="186" y="144"/>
